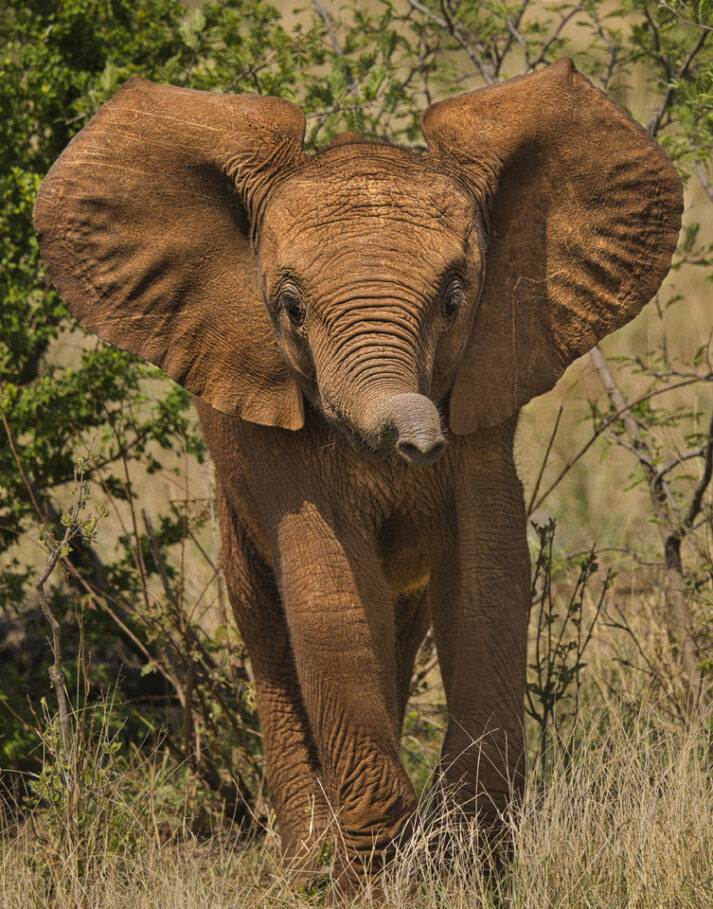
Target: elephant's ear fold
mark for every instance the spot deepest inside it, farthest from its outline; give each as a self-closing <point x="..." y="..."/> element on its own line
<point x="145" y="225"/>
<point x="583" y="210"/>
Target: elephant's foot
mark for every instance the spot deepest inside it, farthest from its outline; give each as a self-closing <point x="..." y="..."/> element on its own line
<point x="327" y="869"/>
<point x="362" y="857"/>
<point x="308" y="853"/>
<point x="467" y="832"/>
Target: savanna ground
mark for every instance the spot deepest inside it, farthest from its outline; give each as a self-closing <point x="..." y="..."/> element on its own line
<point x="150" y="791"/>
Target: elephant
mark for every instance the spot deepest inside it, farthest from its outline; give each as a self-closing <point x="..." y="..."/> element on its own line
<point x="360" y="327"/>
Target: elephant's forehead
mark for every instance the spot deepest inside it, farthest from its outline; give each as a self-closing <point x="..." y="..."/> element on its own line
<point x="373" y="181"/>
<point x="370" y="197"/>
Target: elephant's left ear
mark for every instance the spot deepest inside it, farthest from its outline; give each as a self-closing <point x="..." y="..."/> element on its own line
<point x="583" y="209"/>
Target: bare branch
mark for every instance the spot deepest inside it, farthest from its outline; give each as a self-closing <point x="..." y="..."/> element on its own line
<point x="30" y="491"/>
<point x="55" y="671"/>
<point x="577" y="554"/>
<point x="679" y="459"/>
<point x="545" y="460"/>
<point x="218" y="565"/>
<point x="322" y="10"/>
<point x="704" y="180"/>
<point x="158" y="562"/>
<point x="651" y="667"/>
<point x="611" y="418"/>
<point x="670" y="525"/>
<point x="658" y="120"/>
<point x="476" y="56"/>
<point x="564" y="19"/>
<point x="56" y="551"/>
<point x="514" y="33"/>
<point x="697" y="500"/>
<point x="614" y="50"/>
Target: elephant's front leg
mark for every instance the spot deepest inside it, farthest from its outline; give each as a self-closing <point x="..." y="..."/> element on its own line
<point x="291" y="762"/>
<point x="480" y="614"/>
<point x="341" y="623"/>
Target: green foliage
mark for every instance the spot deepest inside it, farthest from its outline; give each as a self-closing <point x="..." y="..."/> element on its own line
<point x="97" y="808"/>
<point x="366" y="70"/>
<point x="561" y="635"/>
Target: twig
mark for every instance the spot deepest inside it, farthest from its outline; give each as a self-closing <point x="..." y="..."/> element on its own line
<point x="483" y="68"/>
<point x="216" y="543"/>
<point x="322" y="10"/>
<point x="611" y="418"/>
<point x="158" y="561"/>
<point x="235" y="793"/>
<point x="564" y="19"/>
<point x="657" y="120"/>
<point x="513" y="32"/>
<point x="679" y="459"/>
<point x="577" y="554"/>
<point x="56" y="551"/>
<point x="704" y="182"/>
<point x="678" y="15"/>
<point x="651" y="667"/>
<point x="672" y="528"/>
<point x="190" y="638"/>
<point x="55" y="671"/>
<point x="545" y="460"/>
<point x="42" y="516"/>
<point x="697" y="500"/>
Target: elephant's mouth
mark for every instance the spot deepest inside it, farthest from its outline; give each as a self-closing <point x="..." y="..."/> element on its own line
<point x="407" y="424"/>
<point x="355" y="441"/>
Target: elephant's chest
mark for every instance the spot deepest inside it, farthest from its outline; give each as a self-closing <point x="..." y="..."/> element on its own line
<point x="404" y="555"/>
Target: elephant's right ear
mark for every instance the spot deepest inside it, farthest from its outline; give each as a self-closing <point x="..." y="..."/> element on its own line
<point x="145" y="225"/>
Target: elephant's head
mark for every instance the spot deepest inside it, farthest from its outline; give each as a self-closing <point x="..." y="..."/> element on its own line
<point x="190" y="228"/>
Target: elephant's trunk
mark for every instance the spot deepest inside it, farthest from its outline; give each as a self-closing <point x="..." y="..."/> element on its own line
<point x="411" y="424"/>
<point x="369" y="381"/>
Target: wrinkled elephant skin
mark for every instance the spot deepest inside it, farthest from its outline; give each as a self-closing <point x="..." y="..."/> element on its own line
<point x="360" y="327"/>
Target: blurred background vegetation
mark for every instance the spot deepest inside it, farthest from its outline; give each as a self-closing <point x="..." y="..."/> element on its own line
<point x="121" y="672"/>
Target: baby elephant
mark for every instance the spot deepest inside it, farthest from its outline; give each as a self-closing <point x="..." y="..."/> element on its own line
<point x="360" y="327"/>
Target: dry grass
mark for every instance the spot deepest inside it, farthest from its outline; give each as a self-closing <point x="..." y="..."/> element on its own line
<point x="624" y="820"/>
<point x="628" y="824"/>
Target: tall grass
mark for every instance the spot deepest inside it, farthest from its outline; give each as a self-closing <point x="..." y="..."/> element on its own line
<point x="622" y="816"/>
<point x="623" y="821"/>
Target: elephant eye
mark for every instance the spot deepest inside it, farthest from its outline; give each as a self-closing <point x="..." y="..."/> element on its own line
<point x="293" y="305"/>
<point x="452" y="300"/>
